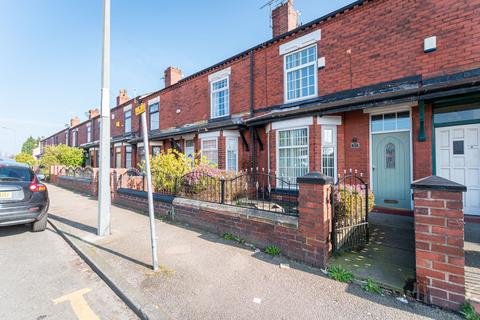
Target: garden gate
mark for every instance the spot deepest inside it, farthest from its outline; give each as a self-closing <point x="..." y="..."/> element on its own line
<point x="350" y="207"/>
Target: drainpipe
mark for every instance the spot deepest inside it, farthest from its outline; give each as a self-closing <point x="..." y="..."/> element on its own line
<point x="252" y="138"/>
<point x="421" y="132"/>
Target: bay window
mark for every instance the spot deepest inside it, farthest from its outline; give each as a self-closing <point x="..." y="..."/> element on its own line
<point x="210" y="150"/>
<point x="232" y="154"/>
<point x="128" y="157"/>
<point x="292" y="154"/>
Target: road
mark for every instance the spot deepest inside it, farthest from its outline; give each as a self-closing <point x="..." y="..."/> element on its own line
<point x="41" y="277"/>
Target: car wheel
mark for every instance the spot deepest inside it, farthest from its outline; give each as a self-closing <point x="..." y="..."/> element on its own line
<point x="40" y="225"/>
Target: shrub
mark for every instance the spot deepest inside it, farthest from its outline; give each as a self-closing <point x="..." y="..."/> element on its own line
<point x="340" y="274"/>
<point x="26" y="158"/>
<point x="272" y="250"/>
<point x="350" y="199"/>
<point x="469" y="312"/>
<point x="61" y="155"/>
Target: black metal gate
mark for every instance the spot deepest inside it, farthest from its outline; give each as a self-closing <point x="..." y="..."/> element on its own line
<point x="350" y="207"/>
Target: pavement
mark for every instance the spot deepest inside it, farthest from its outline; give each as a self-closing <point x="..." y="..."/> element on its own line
<point x="203" y="276"/>
<point x="389" y="256"/>
<point x="41" y="277"/>
<point x="472" y="262"/>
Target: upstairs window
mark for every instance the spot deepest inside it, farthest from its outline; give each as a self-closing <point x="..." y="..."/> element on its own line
<point x="154" y="116"/>
<point x="128" y="121"/>
<point x="300" y="74"/>
<point x="89" y="132"/>
<point x="220" y="98"/>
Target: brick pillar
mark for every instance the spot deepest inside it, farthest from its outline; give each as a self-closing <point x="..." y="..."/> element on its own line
<point x="439" y="238"/>
<point x="315" y="216"/>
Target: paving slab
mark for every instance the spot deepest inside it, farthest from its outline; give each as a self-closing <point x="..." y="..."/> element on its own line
<point x="203" y="276"/>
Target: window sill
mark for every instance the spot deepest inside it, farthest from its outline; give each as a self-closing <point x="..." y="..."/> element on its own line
<point x="222" y="118"/>
<point x="301" y="99"/>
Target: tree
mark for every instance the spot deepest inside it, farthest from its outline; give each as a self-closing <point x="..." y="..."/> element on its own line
<point x="26" y="158"/>
<point x="61" y="155"/>
<point x="30" y="144"/>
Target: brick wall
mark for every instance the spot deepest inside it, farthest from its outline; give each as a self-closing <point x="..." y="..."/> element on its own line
<point x="85" y="186"/>
<point x="439" y="242"/>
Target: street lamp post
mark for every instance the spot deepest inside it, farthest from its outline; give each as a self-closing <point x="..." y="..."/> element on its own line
<point x="104" y="197"/>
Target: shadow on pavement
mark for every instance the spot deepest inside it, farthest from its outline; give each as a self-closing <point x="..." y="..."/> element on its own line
<point x="77" y="225"/>
<point x="118" y="254"/>
<point x="13" y="230"/>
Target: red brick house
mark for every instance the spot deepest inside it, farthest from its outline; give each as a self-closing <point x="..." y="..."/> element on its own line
<point x="388" y="87"/>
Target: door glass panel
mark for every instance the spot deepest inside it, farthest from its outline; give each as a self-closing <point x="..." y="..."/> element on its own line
<point x="390" y="156"/>
<point x="456" y="113"/>
<point x="458" y="147"/>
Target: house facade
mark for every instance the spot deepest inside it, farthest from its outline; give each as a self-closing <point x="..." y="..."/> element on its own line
<point x="390" y="88"/>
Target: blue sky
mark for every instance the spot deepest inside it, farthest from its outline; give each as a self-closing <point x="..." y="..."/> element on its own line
<point x="50" y="52"/>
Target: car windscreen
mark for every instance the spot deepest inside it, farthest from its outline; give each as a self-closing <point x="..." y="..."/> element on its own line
<point x="8" y="173"/>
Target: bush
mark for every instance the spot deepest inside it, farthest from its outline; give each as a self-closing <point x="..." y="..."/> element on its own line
<point x="61" y="155"/>
<point x="26" y="158"/>
<point x="372" y="287"/>
<point x="350" y="199"/>
<point x="469" y="312"/>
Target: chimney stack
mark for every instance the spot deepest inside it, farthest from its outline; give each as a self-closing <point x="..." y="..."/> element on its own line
<point x="122" y="97"/>
<point x="172" y="75"/>
<point x="284" y="18"/>
<point x="92" y="113"/>
<point x="75" y="121"/>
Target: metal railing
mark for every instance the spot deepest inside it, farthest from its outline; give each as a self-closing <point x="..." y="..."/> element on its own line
<point x="253" y="188"/>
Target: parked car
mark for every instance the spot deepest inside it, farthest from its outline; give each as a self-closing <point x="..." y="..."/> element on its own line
<point x="23" y="198"/>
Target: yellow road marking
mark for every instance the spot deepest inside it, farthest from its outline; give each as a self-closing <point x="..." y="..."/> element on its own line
<point x="79" y="304"/>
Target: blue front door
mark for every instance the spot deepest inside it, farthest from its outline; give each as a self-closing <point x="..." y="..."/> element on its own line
<point x="391" y="169"/>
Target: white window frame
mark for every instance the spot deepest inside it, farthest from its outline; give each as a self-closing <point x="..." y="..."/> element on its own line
<point x="217" y="77"/>
<point x="235" y="149"/>
<point x="333" y="145"/>
<point x="125" y="121"/>
<point x="203" y="140"/>
<point x="89" y="132"/>
<point x="156" y="113"/>
<point x="285" y="73"/>
<point x="127" y="159"/>
<point x="75" y="138"/>
<point x="192" y="149"/>
<point x="277" y="150"/>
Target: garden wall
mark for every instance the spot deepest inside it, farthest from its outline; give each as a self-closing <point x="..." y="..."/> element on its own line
<point x="304" y="238"/>
<point x="83" y="185"/>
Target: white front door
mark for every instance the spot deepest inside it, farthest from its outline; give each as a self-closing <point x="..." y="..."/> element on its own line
<point x="458" y="159"/>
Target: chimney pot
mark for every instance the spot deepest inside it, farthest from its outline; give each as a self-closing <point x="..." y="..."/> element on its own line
<point x="92" y="113"/>
<point x="284" y="18"/>
<point x="75" y="121"/>
<point x="172" y="75"/>
<point x="122" y="97"/>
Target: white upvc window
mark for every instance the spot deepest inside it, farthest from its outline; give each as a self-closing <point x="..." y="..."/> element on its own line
<point x="89" y="132"/>
<point x="189" y="148"/>
<point x="300" y="74"/>
<point x="231" y="154"/>
<point x="154" y="116"/>
<point x="128" y="157"/>
<point x="329" y="151"/>
<point x="220" y="97"/>
<point x="210" y="150"/>
<point x="128" y="121"/>
<point x="292" y="154"/>
<point x="75" y="137"/>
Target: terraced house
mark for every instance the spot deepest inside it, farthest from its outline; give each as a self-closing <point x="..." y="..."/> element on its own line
<point x="390" y="88"/>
